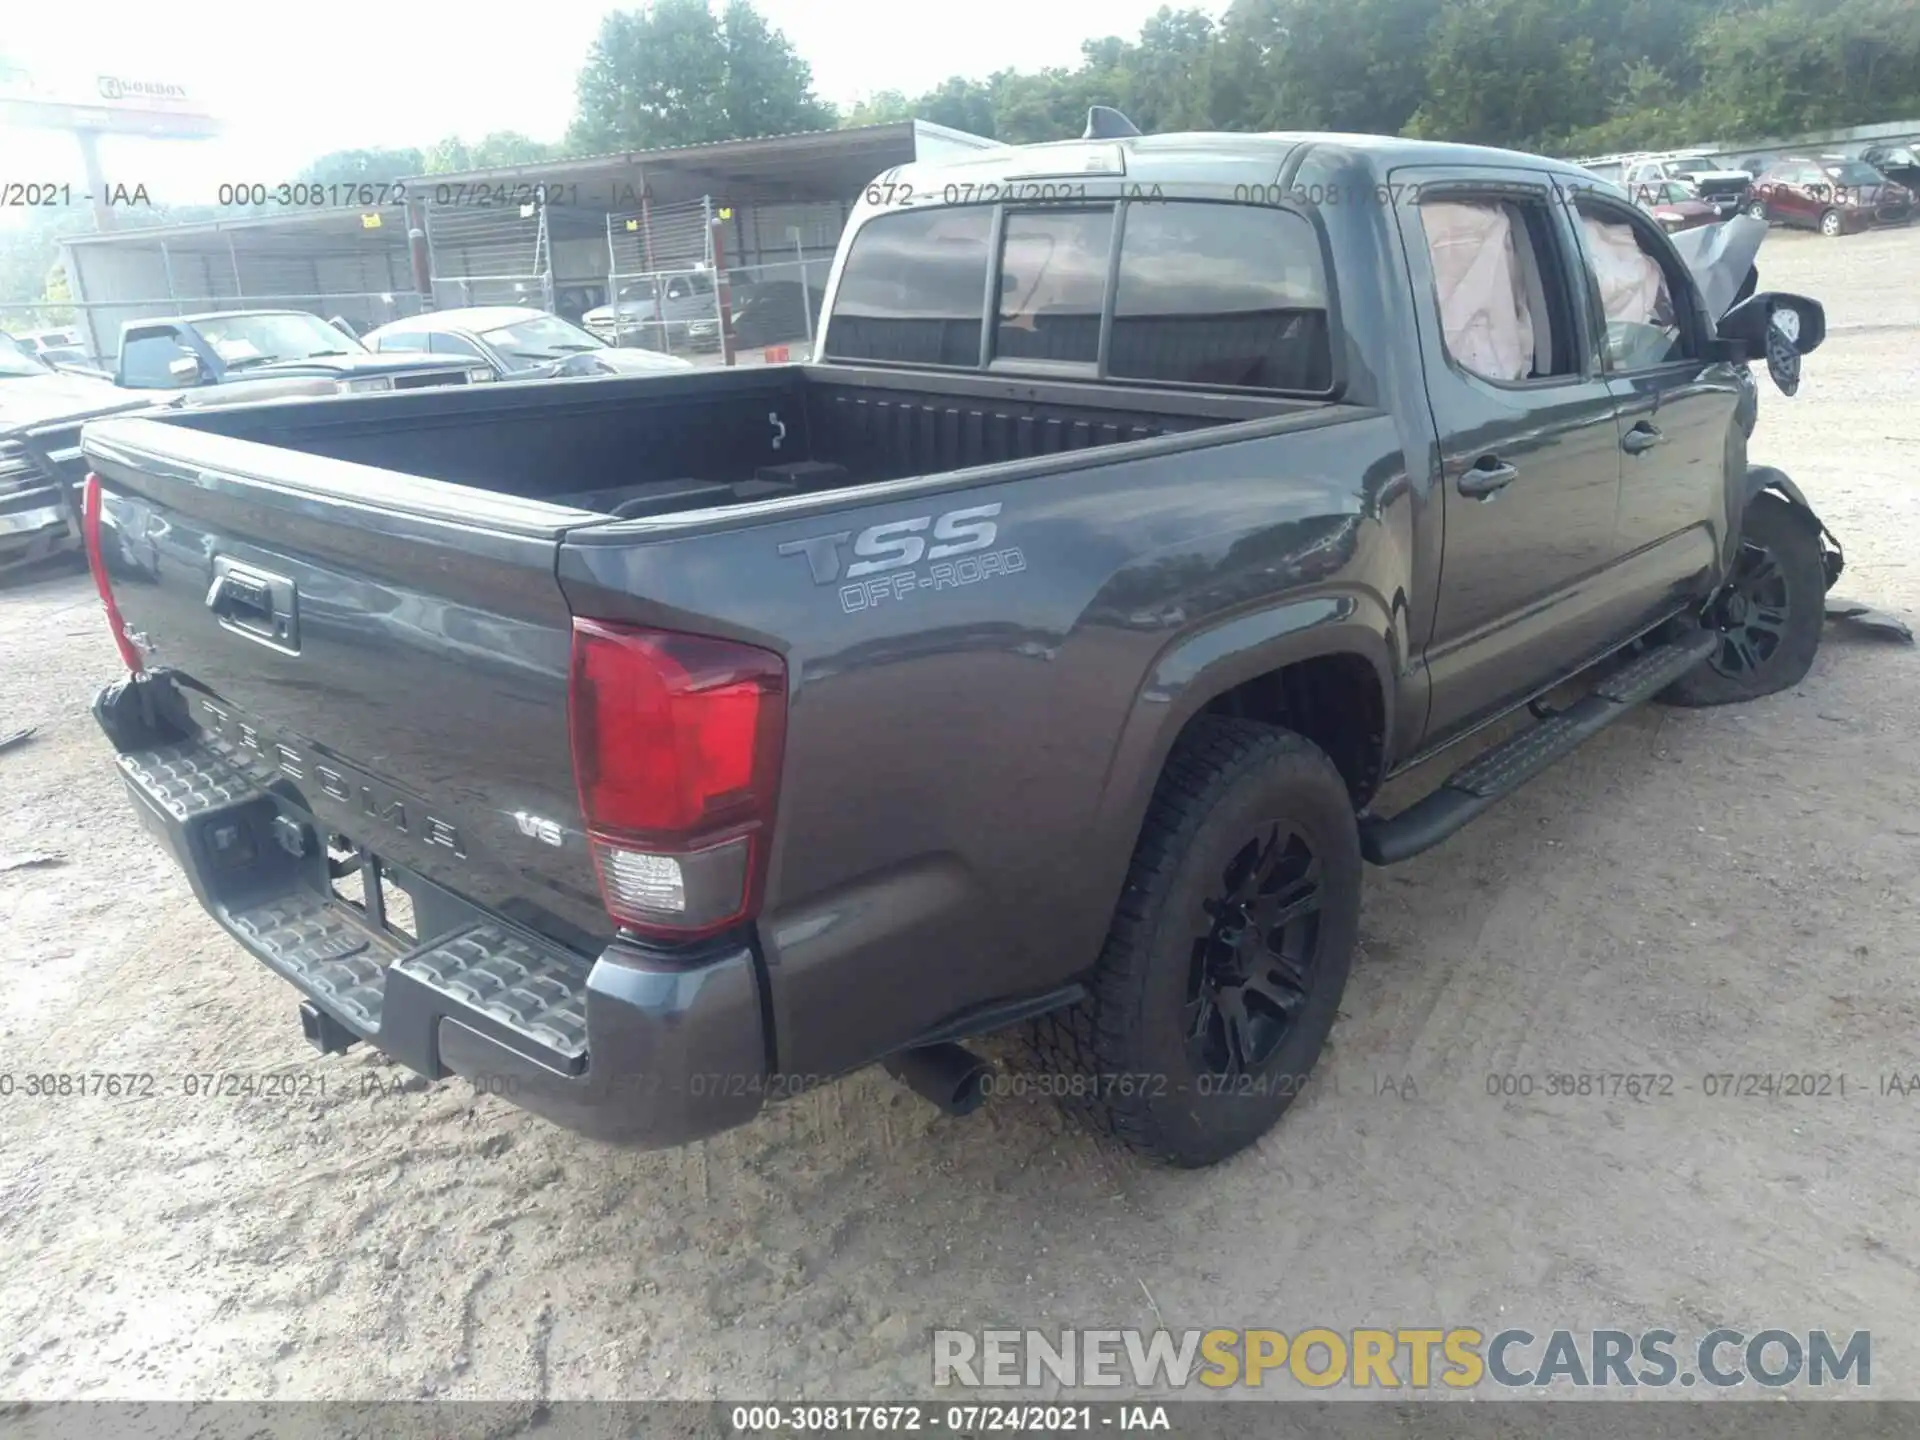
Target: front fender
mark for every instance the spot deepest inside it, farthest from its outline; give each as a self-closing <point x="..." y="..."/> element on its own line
<point x="1766" y="479"/>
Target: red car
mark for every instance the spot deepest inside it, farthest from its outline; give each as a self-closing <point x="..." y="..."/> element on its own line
<point x="1673" y="205"/>
<point x="1830" y="195"/>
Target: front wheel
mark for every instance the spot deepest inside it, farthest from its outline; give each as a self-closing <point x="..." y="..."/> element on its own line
<point x="1769" y="614"/>
<point x="1228" y="953"/>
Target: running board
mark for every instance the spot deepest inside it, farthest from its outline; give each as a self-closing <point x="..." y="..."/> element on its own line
<point x="1500" y="771"/>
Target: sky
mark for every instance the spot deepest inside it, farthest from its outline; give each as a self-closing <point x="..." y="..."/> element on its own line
<point x="291" y="82"/>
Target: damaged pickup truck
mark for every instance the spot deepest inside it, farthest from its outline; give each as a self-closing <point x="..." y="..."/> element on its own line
<point x="646" y="747"/>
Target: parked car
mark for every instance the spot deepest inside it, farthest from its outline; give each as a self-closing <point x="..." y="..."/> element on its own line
<point x="516" y="343"/>
<point x="1832" y="195"/>
<point x="667" y="312"/>
<point x="1898" y="163"/>
<point x="287" y="352"/>
<point x="1675" y="206"/>
<point x="1033" y="659"/>
<point x="62" y="346"/>
<point x="38" y="512"/>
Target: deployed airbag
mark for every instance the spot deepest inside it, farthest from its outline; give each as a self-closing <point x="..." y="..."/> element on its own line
<point x="1483" y="305"/>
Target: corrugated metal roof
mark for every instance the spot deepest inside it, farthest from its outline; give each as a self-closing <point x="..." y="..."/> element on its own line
<point x="859" y="136"/>
<point x="393" y="222"/>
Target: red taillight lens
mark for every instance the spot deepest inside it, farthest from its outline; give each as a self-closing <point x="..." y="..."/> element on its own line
<point x="676" y="754"/>
<point x="96" y="562"/>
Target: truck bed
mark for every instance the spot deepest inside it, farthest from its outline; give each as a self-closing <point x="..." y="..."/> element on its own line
<point x="652" y="445"/>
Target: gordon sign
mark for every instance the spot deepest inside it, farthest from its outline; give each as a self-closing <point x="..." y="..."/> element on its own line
<point x="115" y="104"/>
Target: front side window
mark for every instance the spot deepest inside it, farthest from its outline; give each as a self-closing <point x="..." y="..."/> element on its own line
<point x="1639" y="298"/>
<point x="145" y="362"/>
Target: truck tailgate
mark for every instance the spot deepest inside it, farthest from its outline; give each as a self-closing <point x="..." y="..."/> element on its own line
<point x="388" y="652"/>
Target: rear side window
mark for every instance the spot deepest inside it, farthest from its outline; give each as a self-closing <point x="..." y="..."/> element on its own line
<point x="1223" y="295"/>
<point x="1501" y="297"/>
<point x="914" y="289"/>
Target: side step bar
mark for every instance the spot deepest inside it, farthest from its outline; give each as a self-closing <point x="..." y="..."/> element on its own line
<point x="1500" y="771"/>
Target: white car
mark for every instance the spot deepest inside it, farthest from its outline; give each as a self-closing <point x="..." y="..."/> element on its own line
<point x="517" y="342"/>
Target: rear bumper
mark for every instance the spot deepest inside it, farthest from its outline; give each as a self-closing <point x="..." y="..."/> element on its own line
<point x="620" y="1046"/>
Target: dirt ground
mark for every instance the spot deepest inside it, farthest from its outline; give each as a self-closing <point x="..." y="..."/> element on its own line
<point x="1694" y="893"/>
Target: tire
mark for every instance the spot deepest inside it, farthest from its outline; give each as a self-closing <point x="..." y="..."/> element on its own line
<point x="1833" y="224"/>
<point x="1772" y="632"/>
<point x="1757" y="210"/>
<point x="1169" y="1054"/>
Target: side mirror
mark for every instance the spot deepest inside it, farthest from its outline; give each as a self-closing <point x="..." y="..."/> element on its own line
<point x="186" y="369"/>
<point x="1782" y="326"/>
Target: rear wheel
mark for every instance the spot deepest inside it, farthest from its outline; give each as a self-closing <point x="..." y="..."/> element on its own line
<point x="1769" y="615"/>
<point x="1832" y="223"/>
<point x="1228" y="954"/>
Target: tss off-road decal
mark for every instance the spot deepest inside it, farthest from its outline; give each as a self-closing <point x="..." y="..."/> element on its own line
<point x="888" y="558"/>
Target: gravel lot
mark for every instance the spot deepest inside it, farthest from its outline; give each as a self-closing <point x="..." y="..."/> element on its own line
<point x="1695" y="892"/>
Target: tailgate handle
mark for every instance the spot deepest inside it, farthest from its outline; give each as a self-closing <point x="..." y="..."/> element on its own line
<point x="256" y="604"/>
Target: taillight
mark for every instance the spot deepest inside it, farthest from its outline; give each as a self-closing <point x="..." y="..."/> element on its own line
<point x="96" y="562"/>
<point x="676" y="754"/>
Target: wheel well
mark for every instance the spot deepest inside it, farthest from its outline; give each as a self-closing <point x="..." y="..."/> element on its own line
<point x="1333" y="700"/>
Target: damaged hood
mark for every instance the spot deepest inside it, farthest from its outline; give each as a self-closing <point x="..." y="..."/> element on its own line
<point x="1720" y="258"/>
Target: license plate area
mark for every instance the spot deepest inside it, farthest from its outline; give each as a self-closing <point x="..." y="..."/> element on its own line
<point x="359" y="879"/>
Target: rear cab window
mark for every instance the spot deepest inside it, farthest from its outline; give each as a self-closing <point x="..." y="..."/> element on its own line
<point x="1204" y="293"/>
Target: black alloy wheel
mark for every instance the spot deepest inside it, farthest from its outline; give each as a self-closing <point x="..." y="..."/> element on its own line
<point x="1253" y="965"/>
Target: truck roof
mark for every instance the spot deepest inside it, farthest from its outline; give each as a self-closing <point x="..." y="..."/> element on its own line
<point x="1209" y="157"/>
<point x="212" y="315"/>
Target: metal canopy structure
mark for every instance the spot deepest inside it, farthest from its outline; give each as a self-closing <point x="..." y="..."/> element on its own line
<point x="565" y="236"/>
<point x="353" y="264"/>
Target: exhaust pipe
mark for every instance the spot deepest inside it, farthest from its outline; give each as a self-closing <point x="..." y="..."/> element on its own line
<point x="951" y="1076"/>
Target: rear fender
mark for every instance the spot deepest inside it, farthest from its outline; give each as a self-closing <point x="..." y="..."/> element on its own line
<point x="1201" y="666"/>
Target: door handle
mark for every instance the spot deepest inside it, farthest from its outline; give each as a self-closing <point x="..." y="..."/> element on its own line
<point x="1488" y="477"/>
<point x="1641" y="438"/>
<point x="255" y="604"/>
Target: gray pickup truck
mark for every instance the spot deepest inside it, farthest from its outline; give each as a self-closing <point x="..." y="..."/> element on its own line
<point x="646" y="748"/>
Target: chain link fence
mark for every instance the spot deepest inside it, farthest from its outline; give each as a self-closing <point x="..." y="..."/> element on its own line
<point x="487" y="254"/>
<point x="661" y="281"/>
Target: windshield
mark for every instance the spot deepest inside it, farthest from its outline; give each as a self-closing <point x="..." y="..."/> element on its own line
<point x="1853" y="172"/>
<point x="14" y="361"/>
<point x="699" y="282"/>
<point x="527" y="343"/>
<point x="241" y="340"/>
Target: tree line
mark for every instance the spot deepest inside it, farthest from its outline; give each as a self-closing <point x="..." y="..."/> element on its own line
<point x="1566" y="77"/>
